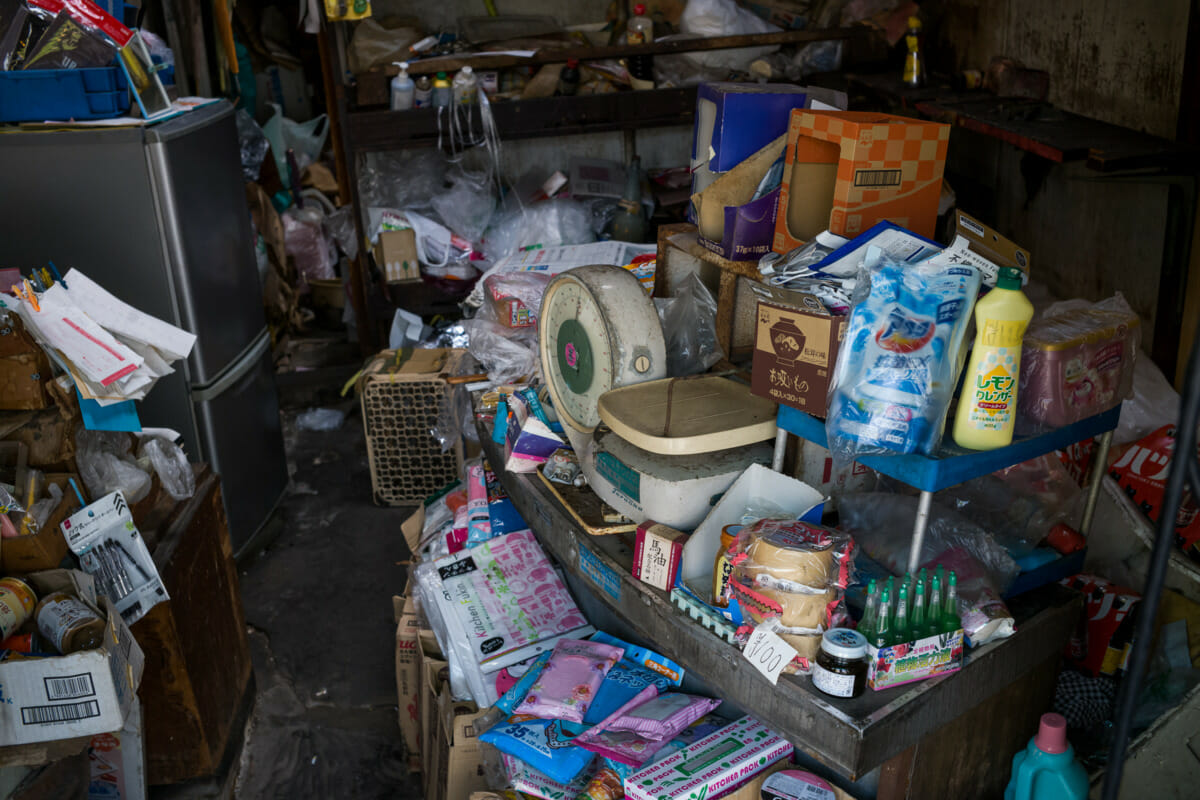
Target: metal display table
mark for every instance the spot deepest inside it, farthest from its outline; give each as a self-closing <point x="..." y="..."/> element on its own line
<point x="851" y="737"/>
<point x="954" y="465"/>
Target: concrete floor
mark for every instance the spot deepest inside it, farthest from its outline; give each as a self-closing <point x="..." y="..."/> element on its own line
<point x="318" y="606"/>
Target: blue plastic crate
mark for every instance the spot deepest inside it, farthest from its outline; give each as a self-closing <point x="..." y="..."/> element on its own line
<point x="63" y="94"/>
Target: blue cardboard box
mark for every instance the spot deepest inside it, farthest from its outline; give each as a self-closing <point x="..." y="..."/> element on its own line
<point x="736" y="120"/>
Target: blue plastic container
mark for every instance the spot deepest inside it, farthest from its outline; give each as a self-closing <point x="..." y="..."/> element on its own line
<point x="1046" y="769"/>
<point x="63" y="94"/>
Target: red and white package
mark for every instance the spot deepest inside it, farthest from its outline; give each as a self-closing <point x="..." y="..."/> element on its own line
<point x="1104" y="638"/>
<point x="1141" y="470"/>
<point x="90" y="14"/>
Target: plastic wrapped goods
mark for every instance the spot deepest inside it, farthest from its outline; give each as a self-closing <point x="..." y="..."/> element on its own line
<point x="900" y="360"/>
<point x="689" y="321"/>
<point x="1077" y="363"/>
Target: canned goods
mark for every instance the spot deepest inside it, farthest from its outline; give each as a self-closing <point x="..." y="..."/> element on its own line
<point x="17" y="600"/>
<point x="69" y="623"/>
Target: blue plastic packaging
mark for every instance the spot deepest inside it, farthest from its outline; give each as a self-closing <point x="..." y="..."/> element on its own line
<point x="899" y="363"/>
<point x="1046" y="769"/>
<point x="543" y="744"/>
<point x="63" y="94"/>
<point x="513" y="697"/>
<point x="621" y="684"/>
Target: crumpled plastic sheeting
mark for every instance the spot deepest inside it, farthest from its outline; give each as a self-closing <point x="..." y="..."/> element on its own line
<point x="105" y="464"/>
<point x="171" y="465"/>
<point x="506" y="354"/>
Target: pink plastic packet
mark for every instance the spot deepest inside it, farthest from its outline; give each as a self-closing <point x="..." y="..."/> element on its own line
<point x="568" y="684"/>
<point x="664" y="716"/>
<point x="657" y="719"/>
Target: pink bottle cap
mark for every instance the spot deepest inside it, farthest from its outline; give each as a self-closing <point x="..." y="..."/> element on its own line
<point x="1052" y="734"/>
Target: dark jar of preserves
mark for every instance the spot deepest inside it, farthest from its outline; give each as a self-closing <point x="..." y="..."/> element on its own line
<point x="841" y="666"/>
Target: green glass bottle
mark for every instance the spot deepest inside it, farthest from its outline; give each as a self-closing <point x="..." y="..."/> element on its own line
<point x="933" y="619"/>
<point x="866" y="625"/>
<point x="901" y="633"/>
<point x="917" y="621"/>
<point x="950" y="618"/>
<point x="883" y="621"/>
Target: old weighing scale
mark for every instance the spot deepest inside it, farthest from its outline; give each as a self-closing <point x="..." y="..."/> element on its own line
<point x="651" y="447"/>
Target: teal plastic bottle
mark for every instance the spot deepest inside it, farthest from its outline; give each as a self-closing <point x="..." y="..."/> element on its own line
<point x="1046" y="769"/>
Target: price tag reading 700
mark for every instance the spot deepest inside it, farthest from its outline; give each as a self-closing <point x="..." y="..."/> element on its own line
<point x="768" y="653"/>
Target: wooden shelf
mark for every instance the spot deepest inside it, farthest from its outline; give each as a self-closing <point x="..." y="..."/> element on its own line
<point x="1035" y="126"/>
<point x="372" y="85"/>
<point x="525" y="119"/>
<point x="850" y="736"/>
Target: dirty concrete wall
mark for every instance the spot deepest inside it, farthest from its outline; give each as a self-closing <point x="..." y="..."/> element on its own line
<point x="1114" y="60"/>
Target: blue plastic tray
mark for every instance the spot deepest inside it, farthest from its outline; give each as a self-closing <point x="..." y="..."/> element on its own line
<point x="63" y="94"/>
<point x="954" y="464"/>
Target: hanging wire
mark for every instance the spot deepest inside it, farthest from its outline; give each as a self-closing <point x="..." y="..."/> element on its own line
<point x="1183" y="470"/>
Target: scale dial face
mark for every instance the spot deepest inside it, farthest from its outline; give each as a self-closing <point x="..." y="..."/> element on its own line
<point x="577" y="352"/>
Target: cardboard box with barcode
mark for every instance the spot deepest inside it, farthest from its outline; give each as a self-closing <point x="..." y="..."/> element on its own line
<point x="76" y="695"/>
<point x="847" y="170"/>
<point x="983" y="248"/>
<point x="796" y="344"/>
<point x="739" y="134"/>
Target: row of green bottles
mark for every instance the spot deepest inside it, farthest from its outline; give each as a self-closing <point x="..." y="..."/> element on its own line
<point x="894" y="615"/>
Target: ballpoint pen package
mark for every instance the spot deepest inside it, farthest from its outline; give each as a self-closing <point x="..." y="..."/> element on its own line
<point x="112" y="551"/>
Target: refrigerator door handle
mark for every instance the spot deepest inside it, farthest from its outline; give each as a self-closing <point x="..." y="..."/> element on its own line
<point x="244" y="365"/>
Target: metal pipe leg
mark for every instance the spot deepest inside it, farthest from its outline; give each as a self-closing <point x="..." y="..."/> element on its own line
<point x="919" y="527"/>
<point x="1099" y="467"/>
<point x="780" y="449"/>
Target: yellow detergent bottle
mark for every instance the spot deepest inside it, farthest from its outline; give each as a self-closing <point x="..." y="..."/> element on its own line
<point x="988" y="405"/>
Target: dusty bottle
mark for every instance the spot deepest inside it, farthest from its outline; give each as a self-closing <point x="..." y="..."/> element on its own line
<point x="68" y="623"/>
<point x="866" y="626"/>
<point x="423" y="92"/>
<point x="914" y="60"/>
<point x="640" y="30"/>
<point x="403" y="89"/>
<point x="466" y="87"/>
<point x="629" y="224"/>
<point x="568" y="79"/>
<point x="883" y="622"/>
<point x="721" y="566"/>
<point x="443" y="93"/>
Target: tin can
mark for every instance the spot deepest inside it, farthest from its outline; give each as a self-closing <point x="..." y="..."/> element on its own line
<point x="69" y="623"/>
<point x="17" y="601"/>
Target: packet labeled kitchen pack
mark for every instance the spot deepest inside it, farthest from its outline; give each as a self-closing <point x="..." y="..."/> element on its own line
<point x="547" y="745"/>
<point x="112" y="551"/>
<point x="568" y="684"/>
<point x="900" y="359"/>
<point x="536" y="783"/>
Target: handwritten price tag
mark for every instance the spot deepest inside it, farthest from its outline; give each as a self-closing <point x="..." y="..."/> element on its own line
<point x="768" y="653"/>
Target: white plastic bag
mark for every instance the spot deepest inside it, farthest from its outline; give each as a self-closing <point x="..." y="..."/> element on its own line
<point x="724" y="18"/>
<point x="174" y="472"/>
<point x="105" y="465"/>
<point x="689" y="321"/>
<point x="304" y="139"/>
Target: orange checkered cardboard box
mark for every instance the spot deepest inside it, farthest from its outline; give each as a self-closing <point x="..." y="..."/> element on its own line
<point x="847" y="170"/>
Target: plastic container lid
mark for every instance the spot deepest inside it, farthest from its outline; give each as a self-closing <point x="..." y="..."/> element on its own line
<point x="639" y="10"/>
<point x="676" y="416"/>
<point x="1052" y="734"/>
<point x="1009" y="278"/>
<point x="466" y="70"/>
<point x="845" y="643"/>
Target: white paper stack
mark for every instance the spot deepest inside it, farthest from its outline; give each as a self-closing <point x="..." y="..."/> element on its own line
<point x="112" y="351"/>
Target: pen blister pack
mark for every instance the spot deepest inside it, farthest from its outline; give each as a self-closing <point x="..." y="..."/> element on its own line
<point x="112" y="551"/>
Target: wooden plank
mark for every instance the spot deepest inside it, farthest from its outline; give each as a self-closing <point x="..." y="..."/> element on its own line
<point x="850" y="736"/>
<point x="523" y="119"/>
<point x="197" y="653"/>
<point x="555" y="55"/>
<point x="895" y="775"/>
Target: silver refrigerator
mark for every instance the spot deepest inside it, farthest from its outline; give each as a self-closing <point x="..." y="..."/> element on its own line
<point x="158" y="216"/>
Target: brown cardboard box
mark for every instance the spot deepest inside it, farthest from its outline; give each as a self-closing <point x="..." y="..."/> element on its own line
<point x="24" y="368"/>
<point x="47" y="548"/>
<point x="407" y="677"/>
<point x="396" y="256"/>
<point x="795" y="349"/>
<point x="451" y="755"/>
<point x="847" y="170"/>
<point x="732" y="223"/>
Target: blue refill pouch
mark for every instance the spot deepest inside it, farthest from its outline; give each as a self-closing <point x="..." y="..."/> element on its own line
<point x="516" y="693"/>
<point x="544" y="744"/>
<point x="621" y="684"/>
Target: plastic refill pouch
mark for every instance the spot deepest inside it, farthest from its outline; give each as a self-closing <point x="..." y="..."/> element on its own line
<point x="516" y="693"/>
<point x="637" y="731"/>
<point x="622" y="684"/>
<point x="899" y="362"/>
<point x="569" y="683"/>
<point x="544" y="744"/>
